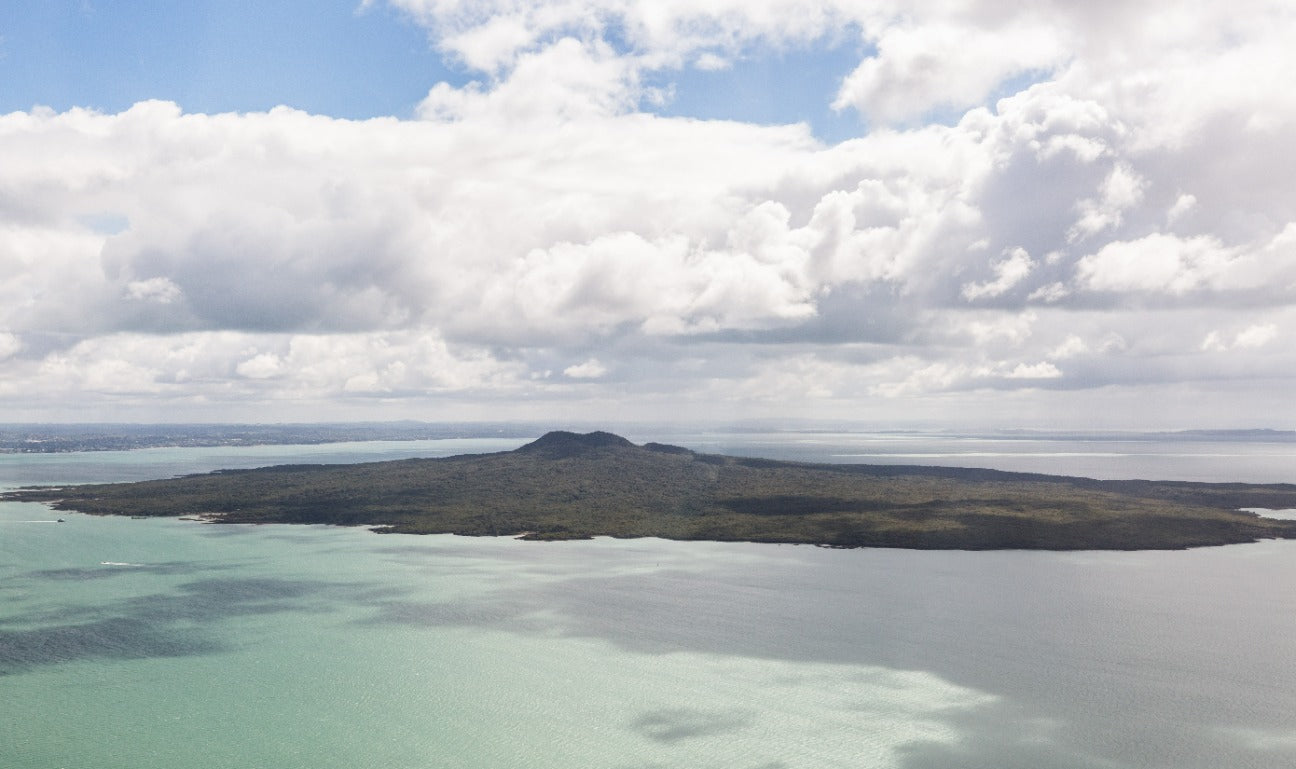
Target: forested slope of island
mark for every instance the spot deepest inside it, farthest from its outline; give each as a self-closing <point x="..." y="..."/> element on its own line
<point x="566" y="485"/>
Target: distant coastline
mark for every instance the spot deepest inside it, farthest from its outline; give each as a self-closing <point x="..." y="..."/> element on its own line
<point x="67" y="438"/>
<point x="55" y="438"/>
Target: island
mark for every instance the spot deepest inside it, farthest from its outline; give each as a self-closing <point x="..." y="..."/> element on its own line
<point x="567" y="486"/>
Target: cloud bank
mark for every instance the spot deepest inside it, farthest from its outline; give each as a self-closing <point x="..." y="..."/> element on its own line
<point x="1071" y="214"/>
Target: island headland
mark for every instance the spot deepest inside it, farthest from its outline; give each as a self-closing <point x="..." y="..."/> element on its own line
<point x="568" y="486"/>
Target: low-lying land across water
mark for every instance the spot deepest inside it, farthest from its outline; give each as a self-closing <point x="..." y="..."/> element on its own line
<point x="567" y="486"/>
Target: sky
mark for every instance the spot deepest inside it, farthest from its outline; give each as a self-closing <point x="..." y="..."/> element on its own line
<point x="901" y="213"/>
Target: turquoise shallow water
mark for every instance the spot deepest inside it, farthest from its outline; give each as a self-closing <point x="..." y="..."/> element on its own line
<point x="146" y="643"/>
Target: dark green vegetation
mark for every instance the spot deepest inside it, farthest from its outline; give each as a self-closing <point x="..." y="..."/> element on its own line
<point x="566" y="486"/>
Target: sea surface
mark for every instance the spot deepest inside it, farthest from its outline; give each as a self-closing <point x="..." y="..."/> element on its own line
<point x="167" y="644"/>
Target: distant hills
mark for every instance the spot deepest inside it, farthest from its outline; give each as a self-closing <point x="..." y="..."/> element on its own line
<point x="567" y="485"/>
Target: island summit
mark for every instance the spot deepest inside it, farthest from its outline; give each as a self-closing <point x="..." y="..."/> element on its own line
<point x="569" y="486"/>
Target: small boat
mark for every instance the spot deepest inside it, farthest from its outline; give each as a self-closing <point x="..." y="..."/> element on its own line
<point x="60" y="520"/>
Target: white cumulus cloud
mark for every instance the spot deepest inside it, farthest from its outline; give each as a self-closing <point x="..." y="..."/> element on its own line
<point x="1103" y="192"/>
<point x="590" y="369"/>
<point x="1008" y="273"/>
<point x="1041" y="370"/>
<point x="1256" y="336"/>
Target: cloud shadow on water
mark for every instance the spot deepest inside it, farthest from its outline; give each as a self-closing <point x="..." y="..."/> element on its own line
<point x="674" y="724"/>
<point x="183" y="623"/>
<point x="116" y="570"/>
<point x="119" y="638"/>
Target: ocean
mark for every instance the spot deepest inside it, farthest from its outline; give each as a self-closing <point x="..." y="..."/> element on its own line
<point x="173" y="644"/>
